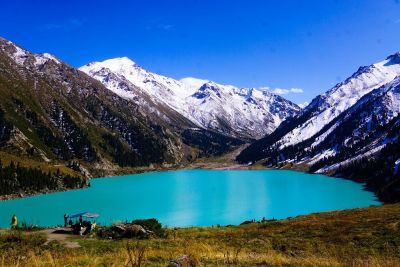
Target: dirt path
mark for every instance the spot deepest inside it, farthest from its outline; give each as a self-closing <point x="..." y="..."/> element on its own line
<point x="60" y="235"/>
<point x="56" y="235"/>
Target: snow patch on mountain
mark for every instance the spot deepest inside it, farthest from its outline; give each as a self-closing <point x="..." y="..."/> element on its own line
<point x="322" y="137"/>
<point x="396" y="166"/>
<point x="193" y="83"/>
<point x="19" y="55"/>
<point x="324" y="154"/>
<point x="41" y="59"/>
<point x="303" y="105"/>
<point x="347" y="161"/>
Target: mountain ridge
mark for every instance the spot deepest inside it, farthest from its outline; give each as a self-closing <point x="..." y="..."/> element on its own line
<point x="327" y="106"/>
<point x="247" y="113"/>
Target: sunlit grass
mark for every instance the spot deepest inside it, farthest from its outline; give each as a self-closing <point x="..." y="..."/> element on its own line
<point x="6" y="158"/>
<point x="359" y="237"/>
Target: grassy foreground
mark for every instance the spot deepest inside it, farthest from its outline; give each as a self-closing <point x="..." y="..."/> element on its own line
<point x="358" y="237"/>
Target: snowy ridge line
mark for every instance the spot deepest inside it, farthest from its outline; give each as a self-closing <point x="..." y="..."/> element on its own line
<point x="20" y="55"/>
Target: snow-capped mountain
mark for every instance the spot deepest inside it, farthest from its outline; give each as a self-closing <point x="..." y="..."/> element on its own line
<point x="324" y="109"/>
<point x="362" y="143"/>
<point x="233" y="111"/>
<point x="365" y="128"/>
<point x="362" y="130"/>
<point x="329" y="105"/>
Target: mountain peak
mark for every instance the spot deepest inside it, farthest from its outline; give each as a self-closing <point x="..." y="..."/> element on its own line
<point x="395" y="55"/>
<point x="121" y="60"/>
<point x="119" y="63"/>
<point x="114" y="64"/>
<point x="394" y="59"/>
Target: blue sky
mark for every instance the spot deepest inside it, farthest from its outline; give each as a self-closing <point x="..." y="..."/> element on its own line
<point x="306" y="44"/>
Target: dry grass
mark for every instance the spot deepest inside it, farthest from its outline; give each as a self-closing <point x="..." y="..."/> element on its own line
<point x="359" y="237"/>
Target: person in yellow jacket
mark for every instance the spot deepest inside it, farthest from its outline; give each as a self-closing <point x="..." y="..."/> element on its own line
<point x="14" y="222"/>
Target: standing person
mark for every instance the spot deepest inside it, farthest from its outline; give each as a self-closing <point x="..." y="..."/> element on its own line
<point x="66" y="220"/>
<point x="80" y="219"/>
<point x="14" y="222"/>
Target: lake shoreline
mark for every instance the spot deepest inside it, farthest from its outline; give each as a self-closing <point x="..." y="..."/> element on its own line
<point x="206" y="165"/>
<point x="39" y="193"/>
<point x="172" y="196"/>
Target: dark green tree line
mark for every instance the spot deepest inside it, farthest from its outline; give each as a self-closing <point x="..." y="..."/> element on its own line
<point x="14" y="179"/>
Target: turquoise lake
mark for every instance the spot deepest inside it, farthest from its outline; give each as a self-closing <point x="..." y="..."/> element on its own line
<point x="194" y="198"/>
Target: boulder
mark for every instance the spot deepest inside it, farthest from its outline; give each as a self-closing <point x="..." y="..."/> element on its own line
<point x="130" y="230"/>
<point x="183" y="261"/>
<point x="136" y="230"/>
<point x="119" y="228"/>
